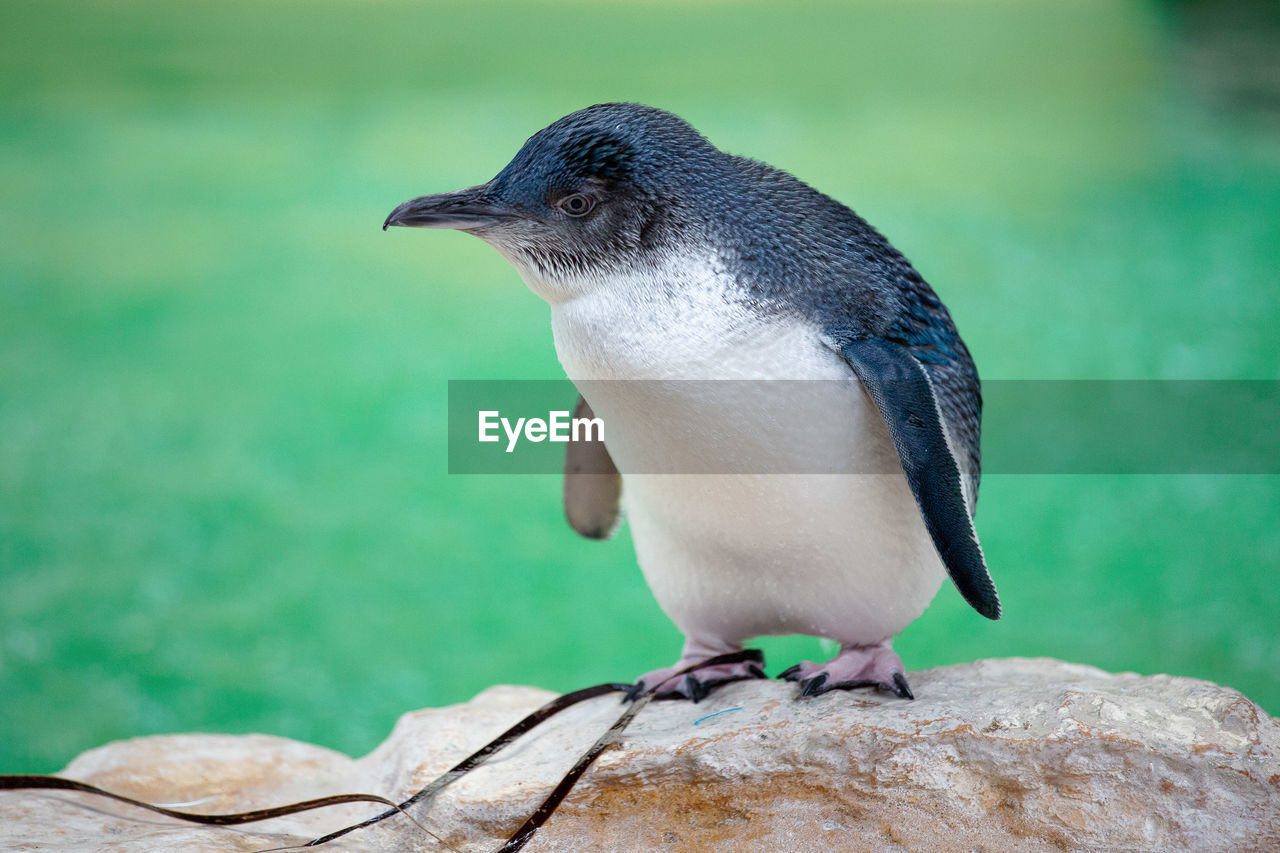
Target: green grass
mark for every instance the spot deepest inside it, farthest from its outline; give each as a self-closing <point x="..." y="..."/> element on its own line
<point x="223" y="498"/>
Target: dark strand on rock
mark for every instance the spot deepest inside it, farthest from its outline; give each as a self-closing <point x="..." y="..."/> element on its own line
<point x="610" y="737"/>
<point x="476" y="759"/>
<point x="18" y="782"/>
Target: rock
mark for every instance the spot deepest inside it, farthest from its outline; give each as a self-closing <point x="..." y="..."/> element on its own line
<point x="997" y="755"/>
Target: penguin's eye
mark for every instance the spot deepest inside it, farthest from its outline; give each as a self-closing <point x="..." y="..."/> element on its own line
<point x="578" y="204"/>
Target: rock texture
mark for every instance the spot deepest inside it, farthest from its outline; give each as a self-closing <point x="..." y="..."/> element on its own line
<point x="1015" y="754"/>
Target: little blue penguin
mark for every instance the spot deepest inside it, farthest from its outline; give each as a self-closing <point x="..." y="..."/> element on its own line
<point x="664" y="259"/>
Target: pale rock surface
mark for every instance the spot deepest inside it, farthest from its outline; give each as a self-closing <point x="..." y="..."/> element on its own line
<point x="1016" y="754"/>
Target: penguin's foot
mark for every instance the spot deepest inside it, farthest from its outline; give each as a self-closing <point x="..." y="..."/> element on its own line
<point x="856" y="666"/>
<point x="694" y="685"/>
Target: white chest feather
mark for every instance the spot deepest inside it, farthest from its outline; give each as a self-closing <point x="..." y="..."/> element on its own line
<point x="735" y="555"/>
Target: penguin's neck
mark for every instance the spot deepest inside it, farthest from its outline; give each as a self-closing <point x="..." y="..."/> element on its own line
<point x="686" y="317"/>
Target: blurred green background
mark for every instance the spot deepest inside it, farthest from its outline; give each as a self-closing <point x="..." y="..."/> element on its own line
<point x="223" y="498"/>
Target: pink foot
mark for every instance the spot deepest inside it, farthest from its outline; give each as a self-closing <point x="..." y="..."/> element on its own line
<point x="855" y="666"/>
<point x="694" y="685"/>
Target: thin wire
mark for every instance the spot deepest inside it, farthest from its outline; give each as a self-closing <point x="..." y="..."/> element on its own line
<point x="478" y="758"/>
<point x="549" y="805"/>
<point x="482" y="755"/>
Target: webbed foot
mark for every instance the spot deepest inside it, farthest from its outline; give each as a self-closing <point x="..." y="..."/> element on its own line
<point x="694" y="685"/>
<point x="855" y="666"/>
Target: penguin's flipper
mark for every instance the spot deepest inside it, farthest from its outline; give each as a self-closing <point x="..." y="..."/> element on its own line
<point x="902" y="391"/>
<point x="592" y="484"/>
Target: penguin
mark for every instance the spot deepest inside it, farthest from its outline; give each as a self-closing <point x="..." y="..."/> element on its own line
<point x="705" y="304"/>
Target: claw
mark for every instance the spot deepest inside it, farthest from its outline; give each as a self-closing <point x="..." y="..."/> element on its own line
<point x="814" y="686"/>
<point x="790" y="673"/>
<point x="900" y="686"/>
<point x="695" y="689"/>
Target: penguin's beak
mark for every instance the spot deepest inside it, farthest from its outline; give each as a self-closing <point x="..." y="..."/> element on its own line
<point x="464" y="210"/>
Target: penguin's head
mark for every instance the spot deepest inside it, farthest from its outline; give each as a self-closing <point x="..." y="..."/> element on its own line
<point x="606" y="190"/>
